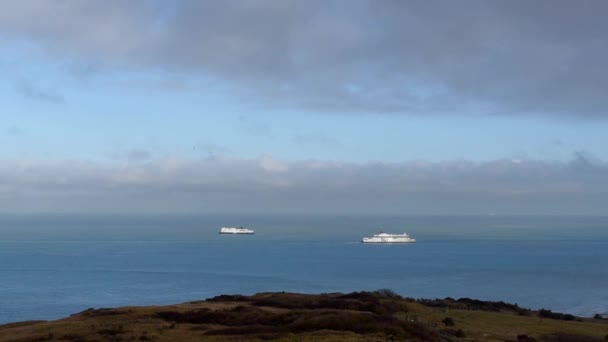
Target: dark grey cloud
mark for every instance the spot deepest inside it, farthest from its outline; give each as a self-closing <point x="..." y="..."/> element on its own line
<point x="414" y="57"/>
<point x="267" y="185"/>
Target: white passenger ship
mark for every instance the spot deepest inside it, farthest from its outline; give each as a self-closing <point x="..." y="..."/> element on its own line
<point x="236" y="230"/>
<point x="389" y="238"/>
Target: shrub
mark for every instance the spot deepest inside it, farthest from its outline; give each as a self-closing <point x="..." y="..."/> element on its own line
<point x="228" y="298"/>
<point x="555" y="315"/>
<point x="421" y="332"/>
<point x="388" y="293"/>
<point x="474" y="304"/>
<point x="448" y="322"/>
<point x="246" y="330"/>
<point x="452" y="332"/>
<point x="111" y="330"/>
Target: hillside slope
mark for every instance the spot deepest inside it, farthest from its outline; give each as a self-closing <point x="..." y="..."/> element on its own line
<point x="359" y="316"/>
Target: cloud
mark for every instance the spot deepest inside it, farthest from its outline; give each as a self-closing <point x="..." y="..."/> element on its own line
<point x="254" y="127"/>
<point x="134" y="155"/>
<point x="139" y="155"/>
<point x="268" y="185"/>
<point x="29" y="90"/>
<point x="270" y="164"/>
<point x="314" y="139"/>
<point x="213" y="149"/>
<point x="14" y="131"/>
<point x="513" y="58"/>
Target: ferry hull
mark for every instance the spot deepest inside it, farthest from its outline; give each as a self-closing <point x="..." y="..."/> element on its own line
<point x="372" y="240"/>
<point x="236" y="231"/>
<point x="389" y="238"/>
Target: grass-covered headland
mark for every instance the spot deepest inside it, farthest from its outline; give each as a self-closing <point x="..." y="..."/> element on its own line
<point x="359" y="316"/>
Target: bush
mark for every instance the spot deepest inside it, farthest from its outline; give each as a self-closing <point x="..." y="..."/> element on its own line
<point x="474" y="304"/>
<point x="247" y="330"/>
<point x="228" y="298"/>
<point x="358" y="312"/>
<point x="111" y="330"/>
<point x="459" y="333"/>
<point x="555" y="315"/>
<point x="421" y="332"/>
<point x="388" y="293"/>
<point x="598" y="316"/>
<point x="448" y="322"/>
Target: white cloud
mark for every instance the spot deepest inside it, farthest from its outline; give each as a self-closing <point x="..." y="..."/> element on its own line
<point x="272" y="165"/>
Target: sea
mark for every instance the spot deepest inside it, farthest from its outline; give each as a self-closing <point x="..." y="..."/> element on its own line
<point x="52" y="266"/>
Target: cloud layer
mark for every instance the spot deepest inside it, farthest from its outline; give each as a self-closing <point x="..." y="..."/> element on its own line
<point x="348" y="56"/>
<point x="268" y="185"/>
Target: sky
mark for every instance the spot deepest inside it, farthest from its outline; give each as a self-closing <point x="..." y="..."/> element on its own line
<point x="284" y="106"/>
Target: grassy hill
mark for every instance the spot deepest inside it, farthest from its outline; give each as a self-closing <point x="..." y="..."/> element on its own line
<point x="359" y="316"/>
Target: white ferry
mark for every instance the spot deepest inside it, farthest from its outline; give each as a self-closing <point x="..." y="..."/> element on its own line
<point x="236" y="230"/>
<point x="389" y="238"/>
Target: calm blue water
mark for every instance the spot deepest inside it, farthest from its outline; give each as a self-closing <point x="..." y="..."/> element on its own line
<point x="52" y="266"/>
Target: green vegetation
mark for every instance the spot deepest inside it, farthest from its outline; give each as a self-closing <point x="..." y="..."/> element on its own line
<point x="359" y="316"/>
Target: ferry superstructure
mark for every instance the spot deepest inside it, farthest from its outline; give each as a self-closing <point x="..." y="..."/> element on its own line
<point x="389" y="238"/>
<point x="236" y="230"/>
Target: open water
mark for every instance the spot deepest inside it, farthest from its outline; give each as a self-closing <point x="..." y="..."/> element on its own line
<point x="55" y="265"/>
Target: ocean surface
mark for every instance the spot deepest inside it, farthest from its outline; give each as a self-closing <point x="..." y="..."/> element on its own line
<point x="55" y="265"/>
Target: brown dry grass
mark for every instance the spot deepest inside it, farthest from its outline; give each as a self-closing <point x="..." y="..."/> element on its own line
<point x="365" y="316"/>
